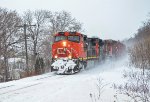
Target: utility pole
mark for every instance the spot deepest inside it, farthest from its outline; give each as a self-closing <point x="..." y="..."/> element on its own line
<point x="26" y="49"/>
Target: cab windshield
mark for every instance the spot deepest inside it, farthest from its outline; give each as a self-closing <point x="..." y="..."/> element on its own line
<point x="59" y="38"/>
<point x="74" y="38"/>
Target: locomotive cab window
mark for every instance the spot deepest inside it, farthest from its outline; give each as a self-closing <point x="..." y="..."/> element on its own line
<point x="74" y="38"/>
<point x="59" y="38"/>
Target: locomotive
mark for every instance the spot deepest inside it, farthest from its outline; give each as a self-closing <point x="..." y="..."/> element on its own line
<point x="71" y="51"/>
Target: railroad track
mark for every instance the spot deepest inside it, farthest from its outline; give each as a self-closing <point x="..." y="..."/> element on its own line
<point x="12" y="90"/>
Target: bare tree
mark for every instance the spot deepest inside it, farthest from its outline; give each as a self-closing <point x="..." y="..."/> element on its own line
<point x="95" y="97"/>
<point x="137" y="87"/>
<point x="62" y="21"/>
<point x="35" y="34"/>
<point x="9" y="34"/>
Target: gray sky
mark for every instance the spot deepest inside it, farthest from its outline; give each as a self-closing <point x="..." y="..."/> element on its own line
<point x="107" y="19"/>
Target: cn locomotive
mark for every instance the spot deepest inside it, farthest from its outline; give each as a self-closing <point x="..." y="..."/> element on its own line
<point x="71" y="51"/>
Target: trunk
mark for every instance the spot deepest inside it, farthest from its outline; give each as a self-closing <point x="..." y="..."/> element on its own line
<point x="5" y="55"/>
<point x="35" y="45"/>
<point x="34" y="55"/>
<point x="6" y="67"/>
<point x="0" y="48"/>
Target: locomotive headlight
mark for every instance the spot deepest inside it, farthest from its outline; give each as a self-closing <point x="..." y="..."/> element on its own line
<point x="55" y="56"/>
<point x="69" y="56"/>
<point x="64" y="43"/>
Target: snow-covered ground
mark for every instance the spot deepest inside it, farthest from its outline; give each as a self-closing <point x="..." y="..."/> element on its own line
<point x="80" y="87"/>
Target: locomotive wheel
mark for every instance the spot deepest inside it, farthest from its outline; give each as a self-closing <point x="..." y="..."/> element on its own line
<point x="76" y="69"/>
<point x="85" y="64"/>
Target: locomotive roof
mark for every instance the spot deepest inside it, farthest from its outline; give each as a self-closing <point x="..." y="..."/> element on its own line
<point x="111" y="41"/>
<point x="68" y="33"/>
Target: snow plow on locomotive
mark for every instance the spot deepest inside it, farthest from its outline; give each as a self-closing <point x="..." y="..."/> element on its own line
<point x="71" y="51"/>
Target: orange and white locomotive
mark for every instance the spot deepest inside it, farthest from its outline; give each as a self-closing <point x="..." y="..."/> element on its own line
<point x="69" y="52"/>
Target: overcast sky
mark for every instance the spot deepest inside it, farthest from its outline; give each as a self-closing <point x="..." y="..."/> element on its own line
<point x="108" y="19"/>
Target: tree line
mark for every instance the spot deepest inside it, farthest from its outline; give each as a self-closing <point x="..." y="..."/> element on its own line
<point x="140" y="51"/>
<point x="137" y="86"/>
<point x="39" y="37"/>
